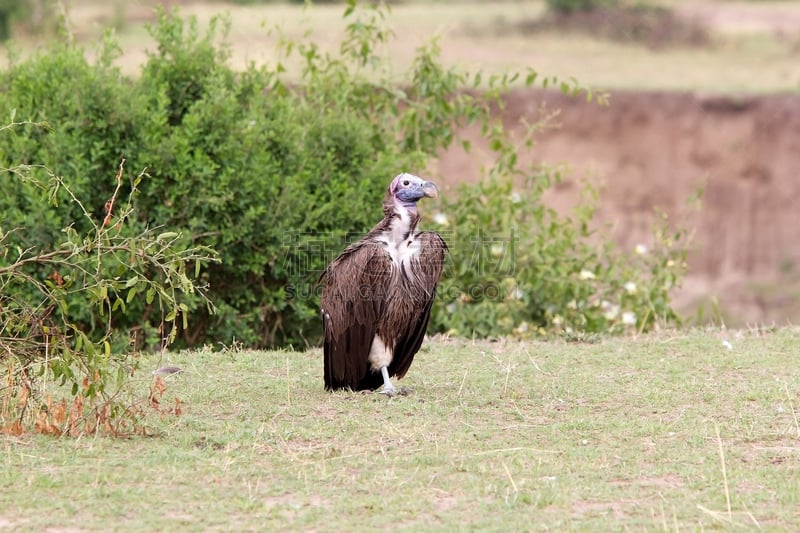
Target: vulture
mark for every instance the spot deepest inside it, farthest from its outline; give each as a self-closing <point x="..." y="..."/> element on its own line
<point x="377" y="294"/>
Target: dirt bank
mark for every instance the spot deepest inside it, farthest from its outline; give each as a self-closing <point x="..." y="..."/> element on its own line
<point x="652" y="150"/>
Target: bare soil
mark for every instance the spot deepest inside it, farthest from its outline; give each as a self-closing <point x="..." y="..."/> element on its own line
<point x="651" y="151"/>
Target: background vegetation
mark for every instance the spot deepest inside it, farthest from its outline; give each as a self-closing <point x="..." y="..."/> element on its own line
<point x="570" y="6"/>
<point x="267" y="176"/>
<point x="275" y="179"/>
<point x="690" y="430"/>
<point x="60" y="307"/>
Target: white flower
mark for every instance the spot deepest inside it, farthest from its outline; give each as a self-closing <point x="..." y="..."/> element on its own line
<point x="728" y="345"/>
<point x="641" y="249"/>
<point x="630" y="287"/>
<point x="572" y="304"/>
<point x="629" y="318"/>
<point x="515" y="198"/>
<point x="586" y="274"/>
<point x="523" y="327"/>
<point x="440" y="218"/>
<point x="519" y="294"/>
<point x="670" y="263"/>
<point x="496" y="250"/>
<point x="451" y="307"/>
<point x="557" y="320"/>
<point x="610" y="311"/>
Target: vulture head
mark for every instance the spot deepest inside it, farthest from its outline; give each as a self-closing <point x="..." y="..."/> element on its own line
<point x="407" y="189"/>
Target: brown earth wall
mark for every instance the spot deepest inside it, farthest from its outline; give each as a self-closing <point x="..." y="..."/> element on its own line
<point x="653" y="150"/>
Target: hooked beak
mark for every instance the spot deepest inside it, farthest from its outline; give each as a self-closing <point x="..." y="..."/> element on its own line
<point x="430" y="190"/>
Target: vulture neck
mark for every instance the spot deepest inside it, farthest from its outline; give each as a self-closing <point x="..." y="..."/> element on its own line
<point x="400" y="219"/>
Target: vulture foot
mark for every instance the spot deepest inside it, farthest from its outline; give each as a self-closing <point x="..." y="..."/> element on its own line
<point x="388" y="387"/>
<point x="391" y="392"/>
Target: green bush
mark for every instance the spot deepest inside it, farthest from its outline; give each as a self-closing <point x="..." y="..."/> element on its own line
<point x="277" y="178"/>
<point x="519" y="269"/>
<point x="570" y="6"/>
<point x="234" y="161"/>
<point x="47" y="295"/>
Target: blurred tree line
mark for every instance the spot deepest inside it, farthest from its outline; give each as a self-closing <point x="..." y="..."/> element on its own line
<point x="570" y="6"/>
<point x="34" y="15"/>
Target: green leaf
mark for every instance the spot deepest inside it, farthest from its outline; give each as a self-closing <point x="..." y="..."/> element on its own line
<point x="167" y="235"/>
<point x="131" y="295"/>
<point x="351" y="6"/>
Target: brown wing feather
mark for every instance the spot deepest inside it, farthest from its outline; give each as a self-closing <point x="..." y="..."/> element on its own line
<point x="354" y="292"/>
<point x="420" y="291"/>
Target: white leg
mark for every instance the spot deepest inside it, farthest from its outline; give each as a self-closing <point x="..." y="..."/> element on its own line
<point x="388" y="388"/>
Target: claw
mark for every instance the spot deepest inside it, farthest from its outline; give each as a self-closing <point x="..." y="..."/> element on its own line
<point x="391" y="392"/>
<point x="388" y="387"/>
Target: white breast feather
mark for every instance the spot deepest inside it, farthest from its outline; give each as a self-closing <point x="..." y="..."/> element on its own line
<point x="401" y="250"/>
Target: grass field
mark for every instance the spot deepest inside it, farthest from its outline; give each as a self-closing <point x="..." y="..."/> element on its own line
<point x="754" y="47"/>
<point x="673" y="431"/>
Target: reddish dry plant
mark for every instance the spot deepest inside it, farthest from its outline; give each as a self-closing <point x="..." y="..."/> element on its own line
<point x="76" y="418"/>
<point x="157" y="390"/>
<point x="109" y="207"/>
<point x="57" y="279"/>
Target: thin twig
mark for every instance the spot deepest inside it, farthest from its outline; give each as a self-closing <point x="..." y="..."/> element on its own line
<point x="511" y="479"/>
<point x="517" y="449"/>
<point x="535" y="365"/>
<point x="56" y="256"/>
<point x="791" y="407"/>
<point x="752" y="518"/>
<point x="22" y="123"/>
<point x="110" y="202"/>
<point x="288" y="384"/>
<point x="724" y="473"/>
<point x="716" y="515"/>
<point x="463" y="380"/>
<point x="508" y="375"/>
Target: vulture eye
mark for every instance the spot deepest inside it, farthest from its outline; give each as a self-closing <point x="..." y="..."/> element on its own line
<point x="405" y="183"/>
